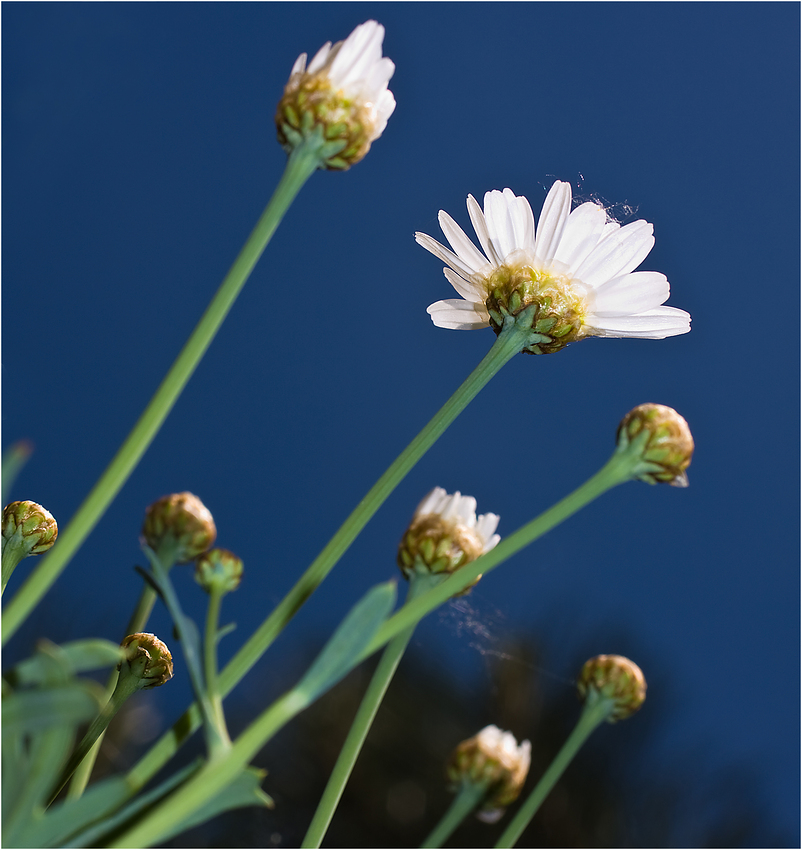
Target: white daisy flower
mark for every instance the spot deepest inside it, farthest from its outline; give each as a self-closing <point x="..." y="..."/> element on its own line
<point x="445" y="534"/>
<point x="344" y="92"/>
<point x="496" y="759"/>
<point x="572" y="276"/>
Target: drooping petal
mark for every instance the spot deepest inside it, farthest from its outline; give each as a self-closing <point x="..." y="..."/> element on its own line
<point x="653" y="324"/>
<point x="458" y="315"/>
<point x="466" y="288"/>
<point x="464" y="248"/>
<point x="632" y="293"/>
<point x="440" y="251"/>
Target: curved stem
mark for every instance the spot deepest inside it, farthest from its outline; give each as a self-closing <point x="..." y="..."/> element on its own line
<point x="468" y="798"/>
<point x="593" y="714"/>
<point x="300" y="165"/>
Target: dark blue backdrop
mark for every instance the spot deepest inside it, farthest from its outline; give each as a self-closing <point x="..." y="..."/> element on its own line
<point x="139" y="151"/>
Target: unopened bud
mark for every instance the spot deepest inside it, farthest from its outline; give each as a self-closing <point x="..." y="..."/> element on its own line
<point x="218" y="570"/>
<point x="30" y="527"/>
<point x="615" y="678"/>
<point x="495" y="759"/>
<point x="664" y="440"/>
<point x="445" y="534"/>
<point x="182" y="520"/>
<point x="148" y="662"/>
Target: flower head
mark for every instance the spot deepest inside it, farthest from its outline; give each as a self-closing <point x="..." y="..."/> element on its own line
<point x="343" y="94"/>
<point x="664" y="442"/>
<point x="571" y="277"/>
<point x="445" y="534"/>
<point x="148" y="662"/>
<point x="182" y="520"/>
<point x="615" y="678"/>
<point x="495" y="758"/>
<point x="218" y="570"/>
<point x="30" y="527"/>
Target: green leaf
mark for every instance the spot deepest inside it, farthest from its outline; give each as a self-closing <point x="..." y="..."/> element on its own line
<point x="345" y="646"/>
<point x="75" y="657"/>
<point x="243" y="790"/>
<point x="34" y="711"/>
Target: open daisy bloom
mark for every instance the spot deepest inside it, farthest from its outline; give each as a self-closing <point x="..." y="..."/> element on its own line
<point x="343" y="92"/>
<point x="572" y="277"/>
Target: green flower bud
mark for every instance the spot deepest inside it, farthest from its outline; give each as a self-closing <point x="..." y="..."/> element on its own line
<point x="445" y="534"/>
<point x="615" y="678"/>
<point x="342" y="97"/>
<point x="493" y="758"/>
<point x="663" y="440"/>
<point x="218" y="570"/>
<point x="29" y="527"/>
<point x="148" y="662"/>
<point x="180" y="519"/>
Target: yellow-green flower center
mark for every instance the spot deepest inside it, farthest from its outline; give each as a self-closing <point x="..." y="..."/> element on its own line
<point x="309" y="102"/>
<point x="560" y="304"/>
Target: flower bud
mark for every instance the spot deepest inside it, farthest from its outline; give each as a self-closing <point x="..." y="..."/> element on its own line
<point x="148" y="661"/>
<point x="218" y="570"/>
<point x="666" y="444"/>
<point x="445" y="534"/>
<point x="342" y="96"/>
<point x="493" y="758"/>
<point x="615" y="678"/>
<point x="180" y="519"/>
<point x="28" y="527"/>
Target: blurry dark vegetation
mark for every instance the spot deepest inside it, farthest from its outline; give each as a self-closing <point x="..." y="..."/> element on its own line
<point x="612" y="795"/>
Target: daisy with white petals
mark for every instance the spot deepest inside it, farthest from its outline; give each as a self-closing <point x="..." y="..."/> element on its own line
<point x="342" y="94"/>
<point x="571" y="277"/>
<point x="445" y="534"/>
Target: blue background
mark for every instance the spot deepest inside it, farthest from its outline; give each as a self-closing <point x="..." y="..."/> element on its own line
<point x="139" y="151"/>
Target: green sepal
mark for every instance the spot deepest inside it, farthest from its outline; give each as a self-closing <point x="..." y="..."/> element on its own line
<point x="345" y="646"/>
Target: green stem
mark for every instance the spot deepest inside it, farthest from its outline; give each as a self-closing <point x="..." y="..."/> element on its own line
<point x="468" y="798"/>
<point x="301" y="164"/>
<point x="210" y="659"/>
<point x="363" y="721"/>
<point x="509" y="342"/>
<point x="166" y="553"/>
<point x="126" y="687"/>
<point x="594" y="713"/>
<point x="12" y="555"/>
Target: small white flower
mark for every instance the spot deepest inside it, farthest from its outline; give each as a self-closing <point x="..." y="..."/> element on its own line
<point x="575" y="271"/>
<point x="445" y="534"/>
<point x="344" y="88"/>
<point x="493" y="757"/>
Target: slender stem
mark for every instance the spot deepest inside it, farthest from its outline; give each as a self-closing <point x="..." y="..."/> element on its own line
<point x="125" y="688"/>
<point x="166" y="553"/>
<point x="210" y="659"/>
<point x="363" y="721"/>
<point x="593" y="714"/>
<point x="300" y="166"/>
<point x="508" y="343"/>
<point x="12" y="555"/>
<point x="468" y="798"/>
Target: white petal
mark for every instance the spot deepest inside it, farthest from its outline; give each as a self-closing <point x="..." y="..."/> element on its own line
<point x="430" y="502"/>
<point x="618" y="253"/>
<point x="433" y="246"/>
<point x="523" y="221"/>
<point x="465" y="287"/>
<point x="653" y="324"/>
<point x="632" y="293"/>
<point x="552" y="220"/>
<point x="582" y="233"/>
<point x="480" y="226"/>
<point x="458" y="315"/>
<point x="320" y="58"/>
<point x="500" y="225"/>
<point x="465" y="249"/>
<point x="300" y="65"/>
